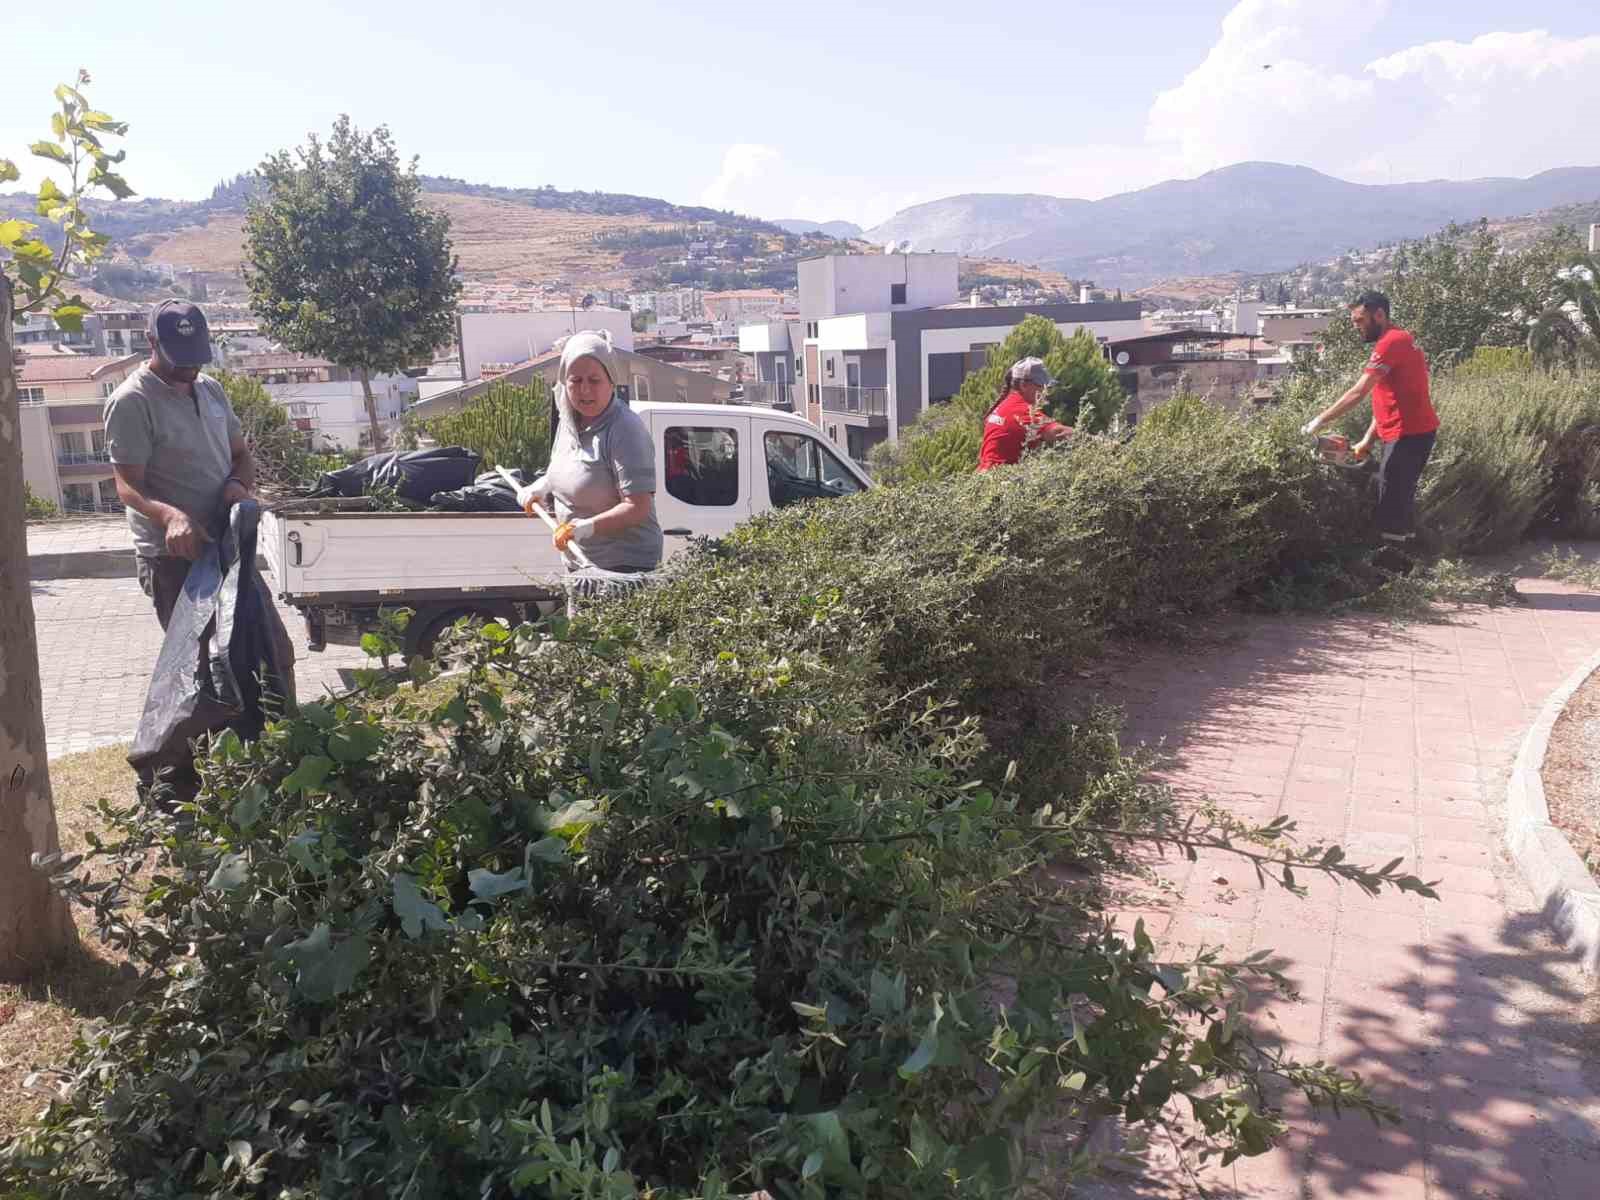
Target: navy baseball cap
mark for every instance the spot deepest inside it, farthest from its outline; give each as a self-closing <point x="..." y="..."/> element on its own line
<point x="180" y="329"/>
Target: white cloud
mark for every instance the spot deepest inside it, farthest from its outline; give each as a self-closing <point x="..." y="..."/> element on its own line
<point x="744" y="163"/>
<point x="1502" y="104"/>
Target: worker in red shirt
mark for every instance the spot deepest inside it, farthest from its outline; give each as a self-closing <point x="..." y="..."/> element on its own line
<point x="1402" y="414"/>
<point x="1015" y="421"/>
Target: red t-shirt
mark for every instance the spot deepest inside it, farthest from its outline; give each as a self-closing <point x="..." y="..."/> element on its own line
<point x="1008" y="430"/>
<point x="1400" y="401"/>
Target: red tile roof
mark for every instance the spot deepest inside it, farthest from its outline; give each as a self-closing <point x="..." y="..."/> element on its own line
<point x="64" y="368"/>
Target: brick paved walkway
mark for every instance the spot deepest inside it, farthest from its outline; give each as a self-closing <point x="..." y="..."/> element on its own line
<point x="98" y="640"/>
<point x="1464" y="1012"/>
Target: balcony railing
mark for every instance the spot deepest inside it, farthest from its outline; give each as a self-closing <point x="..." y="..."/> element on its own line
<point x="859" y="401"/>
<point x="770" y="395"/>
<point x="68" y="458"/>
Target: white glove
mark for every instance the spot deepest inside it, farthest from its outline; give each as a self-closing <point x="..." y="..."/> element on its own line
<point x="538" y="490"/>
<point x="582" y="529"/>
<point x="1311" y="426"/>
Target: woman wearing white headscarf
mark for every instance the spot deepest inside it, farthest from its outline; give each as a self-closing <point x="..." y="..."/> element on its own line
<point x="602" y="474"/>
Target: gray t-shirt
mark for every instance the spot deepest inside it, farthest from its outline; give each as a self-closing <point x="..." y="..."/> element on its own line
<point x="182" y="443"/>
<point x="592" y="469"/>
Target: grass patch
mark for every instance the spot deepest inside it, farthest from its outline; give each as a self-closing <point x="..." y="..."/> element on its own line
<point x="39" y="1019"/>
<point x="1568" y="566"/>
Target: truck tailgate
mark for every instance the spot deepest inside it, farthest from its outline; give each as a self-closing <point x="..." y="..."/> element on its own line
<point x="357" y="554"/>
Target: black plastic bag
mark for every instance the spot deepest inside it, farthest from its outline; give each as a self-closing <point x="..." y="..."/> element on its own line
<point x="491" y="492"/>
<point x="226" y="661"/>
<point x="414" y="475"/>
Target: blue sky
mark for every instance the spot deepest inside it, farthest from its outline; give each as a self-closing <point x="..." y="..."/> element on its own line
<point x="829" y="110"/>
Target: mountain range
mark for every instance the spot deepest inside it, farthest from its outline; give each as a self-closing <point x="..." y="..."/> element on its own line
<point x="1252" y="217"/>
<point x="833" y="229"/>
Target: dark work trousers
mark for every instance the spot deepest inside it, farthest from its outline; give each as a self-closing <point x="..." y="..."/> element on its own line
<point x="162" y="580"/>
<point x="1403" y="461"/>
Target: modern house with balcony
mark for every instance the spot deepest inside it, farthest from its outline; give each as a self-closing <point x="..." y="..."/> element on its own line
<point x="62" y="399"/>
<point x="880" y="338"/>
<point x="325" y="402"/>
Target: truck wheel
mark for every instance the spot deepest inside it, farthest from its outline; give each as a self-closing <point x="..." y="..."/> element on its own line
<point x="431" y="626"/>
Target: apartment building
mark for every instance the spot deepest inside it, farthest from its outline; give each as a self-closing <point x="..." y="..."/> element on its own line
<point x="880" y="338"/>
<point x="325" y="402"/>
<point x="739" y="307"/>
<point x="62" y="398"/>
<point x="514" y="337"/>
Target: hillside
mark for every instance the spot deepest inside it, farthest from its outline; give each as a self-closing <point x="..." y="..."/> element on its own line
<point x="510" y="235"/>
<point x="1333" y="279"/>
<point x="843" y="230"/>
<point x="1251" y="217"/>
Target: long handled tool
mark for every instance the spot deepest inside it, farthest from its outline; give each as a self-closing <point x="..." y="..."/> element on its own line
<point x="573" y="550"/>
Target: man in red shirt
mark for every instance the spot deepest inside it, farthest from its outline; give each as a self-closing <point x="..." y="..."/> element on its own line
<point x="1016" y="422"/>
<point x="1402" y="414"/>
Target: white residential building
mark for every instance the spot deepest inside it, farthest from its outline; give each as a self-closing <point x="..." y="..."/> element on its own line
<point x="742" y="307"/>
<point x="514" y="337"/>
<point x="880" y="338"/>
<point x="326" y="402"/>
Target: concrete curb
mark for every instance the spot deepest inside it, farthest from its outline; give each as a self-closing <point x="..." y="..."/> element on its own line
<point x="83" y="564"/>
<point x="1569" y="894"/>
<point x="92" y="564"/>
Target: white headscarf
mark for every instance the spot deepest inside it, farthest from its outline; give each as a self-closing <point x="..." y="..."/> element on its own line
<point x="586" y="343"/>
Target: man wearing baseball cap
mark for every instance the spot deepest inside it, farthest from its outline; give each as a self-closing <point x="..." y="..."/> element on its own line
<point x="1015" y="421"/>
<point x="179" y="454"/>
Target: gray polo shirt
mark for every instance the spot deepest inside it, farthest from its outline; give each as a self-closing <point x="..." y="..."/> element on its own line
<point x="182" y="443"/>
<point x="592" y="469"/>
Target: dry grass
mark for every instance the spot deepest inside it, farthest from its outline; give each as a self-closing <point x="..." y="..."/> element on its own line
<point x="495" y="240"/>
<point x="39" y="1020"/>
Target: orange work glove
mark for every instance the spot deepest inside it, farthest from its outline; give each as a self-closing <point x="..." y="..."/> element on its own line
<point x="571" y="531"/>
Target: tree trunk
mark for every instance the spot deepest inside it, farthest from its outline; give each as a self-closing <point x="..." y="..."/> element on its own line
<point x="35" y="925"/>
<point x="372" y="410"/>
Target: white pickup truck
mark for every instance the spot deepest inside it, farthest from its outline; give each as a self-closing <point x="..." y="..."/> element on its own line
<point x="715" y="466"/>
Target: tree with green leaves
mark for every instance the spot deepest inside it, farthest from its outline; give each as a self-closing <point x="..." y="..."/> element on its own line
<point x="944" y="442"/>
<point x="1461" y="289"/>
<point x="1567" y="331"/>
<point x="35" y="270"/>
<point x="343" y="259"/>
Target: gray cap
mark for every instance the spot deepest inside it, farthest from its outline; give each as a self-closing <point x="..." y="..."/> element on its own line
<point x="1031" y="370"/>
<point x="181" y="331"/>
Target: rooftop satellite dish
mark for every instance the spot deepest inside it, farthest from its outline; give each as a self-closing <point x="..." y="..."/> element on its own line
<point x="905" y="246"/>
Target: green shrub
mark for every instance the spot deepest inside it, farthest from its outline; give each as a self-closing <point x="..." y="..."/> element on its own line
<point x="282" y="460"/>
<point x="508" y="425"/>
<point x="1518" y="452"/>
<point x="944" y="442"/>
<point x="1495" y="360"/>
<point x="730" y="885"/>
<point x="36" y="508"/>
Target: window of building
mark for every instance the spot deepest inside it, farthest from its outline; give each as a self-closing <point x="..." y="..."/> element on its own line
<point x="811" y="329"/>
<point x="109" y="500"/>
<point x="641" y="388"/>
<point x="702" y="465"/>
<point x="72" y="444"/>
<point x="897" y="293"/>
<point x="801" y="468"/>
<point x="106" y="388"/>
<point x="77" y="497"/>
<point x="799" y="368"/>
<point x="30" y="395"/>
<point x="683" y="393"/>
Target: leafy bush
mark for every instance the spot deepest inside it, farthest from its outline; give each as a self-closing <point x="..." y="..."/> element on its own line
<point x="282" y="460"/>
<point x="730" y="885"/>
<point x="509" y="426"/>
<point x="945" y="441"/>
<point x="36" y="508"/>
<point x="1517" y="452"/>
<point x="1495" y="360"/>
